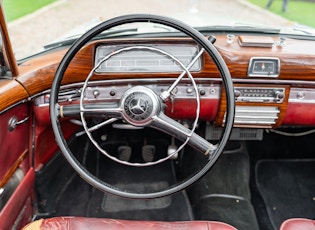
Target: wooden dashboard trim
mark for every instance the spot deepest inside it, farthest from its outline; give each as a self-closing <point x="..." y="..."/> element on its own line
<point x="11" y="92"/>
<point x="296" y="57"/>
<point x="297" y="61"/>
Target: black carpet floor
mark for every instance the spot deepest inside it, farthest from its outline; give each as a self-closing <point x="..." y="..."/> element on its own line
<point x="223" y="194"/>
<point x="287" y="188"/>
<point x="80" y="199"/>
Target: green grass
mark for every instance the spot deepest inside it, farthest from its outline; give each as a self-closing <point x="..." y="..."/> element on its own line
<point x="15" y="9"/>
<point x="302" y="12"/>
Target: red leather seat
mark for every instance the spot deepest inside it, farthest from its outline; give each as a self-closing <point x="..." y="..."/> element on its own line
<point x="67" y="223"/>
<point x="298" y="224"/>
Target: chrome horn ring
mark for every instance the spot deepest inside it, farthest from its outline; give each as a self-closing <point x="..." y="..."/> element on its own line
<point x="139" y="106"/>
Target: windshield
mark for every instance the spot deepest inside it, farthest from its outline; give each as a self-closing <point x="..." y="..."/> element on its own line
<point x="32" y="25"/>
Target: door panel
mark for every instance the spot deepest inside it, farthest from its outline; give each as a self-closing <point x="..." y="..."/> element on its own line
<point x="16" y="176"/>
<point x="18" y="210"/>
<point x="13" y="141"/>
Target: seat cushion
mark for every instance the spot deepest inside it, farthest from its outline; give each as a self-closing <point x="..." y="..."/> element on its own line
<point x="297" y="224"/>
<point x="67" y="223"/>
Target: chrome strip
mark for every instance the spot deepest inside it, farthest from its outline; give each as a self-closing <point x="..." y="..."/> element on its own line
<point x="253" y="59"/>
<point x="197" y="80"/>
<point x="302" y="95"/>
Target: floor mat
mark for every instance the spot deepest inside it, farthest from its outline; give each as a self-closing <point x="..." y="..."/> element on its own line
<point x="97" y="204"/>
<point x="113" y="203"/>
<point x="154" y="178"/>
<point x="228" y="209"/>
<point x="288" y="188"/>
<point x="223" y="194"/>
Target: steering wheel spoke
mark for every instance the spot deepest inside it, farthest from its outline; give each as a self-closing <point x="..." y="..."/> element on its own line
<point x="173" y="128"/>
<point x="92" y="109"/>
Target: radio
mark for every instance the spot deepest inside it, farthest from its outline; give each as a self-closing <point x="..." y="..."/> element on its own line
<point x="261" y="94"/>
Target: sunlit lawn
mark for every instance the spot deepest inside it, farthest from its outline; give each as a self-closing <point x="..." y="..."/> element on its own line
<point x="17" y="8"/>
<point x="301" y="11"/>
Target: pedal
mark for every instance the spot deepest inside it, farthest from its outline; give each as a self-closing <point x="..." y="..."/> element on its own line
<point x="148" y="153"/>
<point x="124" y="153"/>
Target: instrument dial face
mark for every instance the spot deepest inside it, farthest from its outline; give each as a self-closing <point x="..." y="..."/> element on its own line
<point x="264" y="67"/>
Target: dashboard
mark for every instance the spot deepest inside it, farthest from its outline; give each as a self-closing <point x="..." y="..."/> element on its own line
<point x="274" y="84"/>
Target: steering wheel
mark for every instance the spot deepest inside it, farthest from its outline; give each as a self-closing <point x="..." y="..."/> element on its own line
<point x="141" y="106"/>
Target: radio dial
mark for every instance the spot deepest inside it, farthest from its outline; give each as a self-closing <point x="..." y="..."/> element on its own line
<point x="279" y="95"/>
<point x="259" y="94"/>
<point x="237" y="93"/>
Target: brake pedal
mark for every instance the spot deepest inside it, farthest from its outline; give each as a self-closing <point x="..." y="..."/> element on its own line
<point x="124" y="153"/>
<point x="148" y="153"/>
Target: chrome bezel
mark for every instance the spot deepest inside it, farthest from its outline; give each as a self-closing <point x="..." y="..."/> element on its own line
<point x="154" y="103"/>
<point x="250" y="72"/>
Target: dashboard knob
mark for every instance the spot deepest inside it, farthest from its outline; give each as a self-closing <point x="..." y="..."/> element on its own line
<point x="279" y="95"/>
<point x="189" y="90"/>
<point x="300" y="95"/>
<point x="202" y="92"/>
<point x="237" y="93"/>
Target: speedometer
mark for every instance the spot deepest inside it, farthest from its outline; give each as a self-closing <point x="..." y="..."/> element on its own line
<point x="145" y="60"/>
<point x="264" y="67"/>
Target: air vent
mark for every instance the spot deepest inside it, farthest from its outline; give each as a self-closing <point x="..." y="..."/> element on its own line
<point x="256" y="115"/>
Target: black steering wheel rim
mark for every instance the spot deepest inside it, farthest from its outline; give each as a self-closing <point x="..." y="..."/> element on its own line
<point x="180" y="26"/>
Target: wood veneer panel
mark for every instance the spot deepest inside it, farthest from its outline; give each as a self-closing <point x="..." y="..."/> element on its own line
<point x="11" y="92"/>
<point x="14" y="167"/>
<point x="297" y="63"/>
<point x="8" y="52"/>
<point x="37" y="74"/>
<point x="296" y="57"/>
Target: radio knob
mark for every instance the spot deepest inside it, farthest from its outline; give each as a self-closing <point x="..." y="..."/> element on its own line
<point x="202" y="92"/>
<point x="279" y="95"/>
<point x="237" y="93"/>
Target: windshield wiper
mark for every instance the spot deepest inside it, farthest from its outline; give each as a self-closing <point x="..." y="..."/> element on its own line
<point x="304" y="29"/>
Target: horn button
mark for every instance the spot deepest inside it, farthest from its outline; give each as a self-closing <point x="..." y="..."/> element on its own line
<point x="139" y="105"/>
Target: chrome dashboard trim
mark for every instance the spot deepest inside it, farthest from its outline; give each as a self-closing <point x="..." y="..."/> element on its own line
<point x="302" y="95"/>
<point x="170" y="80"/>
<point x="213" y="82"/>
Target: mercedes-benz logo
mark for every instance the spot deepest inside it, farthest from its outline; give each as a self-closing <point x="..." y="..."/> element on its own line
<point x="138" y="106"/>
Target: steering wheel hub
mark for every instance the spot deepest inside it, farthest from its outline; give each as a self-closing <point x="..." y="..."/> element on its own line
<point x="139" y="105"/>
